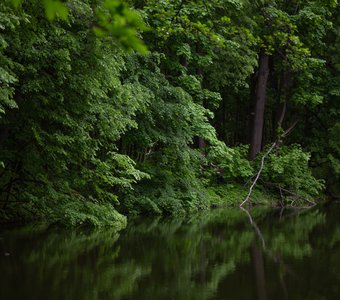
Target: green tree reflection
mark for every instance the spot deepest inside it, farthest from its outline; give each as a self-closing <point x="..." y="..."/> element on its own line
<point x="206" y="256"/>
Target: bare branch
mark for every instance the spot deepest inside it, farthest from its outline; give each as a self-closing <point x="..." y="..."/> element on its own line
<point x="258" y="174"/>
<point x="277" y="142"/>
<point x="289" y="130"/>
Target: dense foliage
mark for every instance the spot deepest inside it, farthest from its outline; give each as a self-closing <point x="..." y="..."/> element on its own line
<point x="92" y="122"/>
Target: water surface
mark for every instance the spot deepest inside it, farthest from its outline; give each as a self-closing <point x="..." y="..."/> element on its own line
<point x="221" y="254"/>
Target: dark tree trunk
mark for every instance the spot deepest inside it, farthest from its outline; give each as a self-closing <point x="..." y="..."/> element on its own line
<point x="183" y="61"/>
<point x="257" y="131"/>
<point x="4" y="131"/>
<point x="286" y="84"/>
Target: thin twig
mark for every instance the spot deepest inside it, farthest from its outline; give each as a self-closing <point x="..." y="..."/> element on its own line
<point x="289" y="130"/>
<point x="281" y="197"/>
<point x="178" y="11"/>
<point x="299" y="196"/>
<point x="296" y="195"/>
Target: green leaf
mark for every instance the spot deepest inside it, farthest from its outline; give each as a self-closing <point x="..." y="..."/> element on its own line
<point x="16" y="3"/>
<point x="55" y="9"/>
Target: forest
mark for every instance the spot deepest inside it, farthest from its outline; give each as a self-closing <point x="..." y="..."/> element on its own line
<point x="110" y="107"/>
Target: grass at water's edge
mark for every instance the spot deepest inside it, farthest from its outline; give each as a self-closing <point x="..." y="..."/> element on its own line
<point x="234" y="194"/>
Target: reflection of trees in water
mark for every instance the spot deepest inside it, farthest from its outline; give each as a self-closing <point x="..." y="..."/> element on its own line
<point x="190" y="257"/>
<point x="55" y="264"/>
<point x="288" y="239"/>
<point x="184" y="258"/>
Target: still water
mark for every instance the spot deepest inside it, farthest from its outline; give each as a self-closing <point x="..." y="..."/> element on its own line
<point x="221" y="254"/>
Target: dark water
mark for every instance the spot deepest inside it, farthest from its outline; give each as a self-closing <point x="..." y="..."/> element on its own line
<point x="216" y="255"/>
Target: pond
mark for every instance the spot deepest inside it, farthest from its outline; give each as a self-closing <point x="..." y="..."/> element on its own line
<point x="219" y="254"/>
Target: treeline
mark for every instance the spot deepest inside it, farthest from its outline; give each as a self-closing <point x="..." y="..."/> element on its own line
<point x="92" y="122"/>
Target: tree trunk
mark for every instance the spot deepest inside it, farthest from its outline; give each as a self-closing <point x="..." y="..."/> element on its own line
<point x="4" y="131"/>
<point x="257" y="132"/>
<point x="286" y="84"/>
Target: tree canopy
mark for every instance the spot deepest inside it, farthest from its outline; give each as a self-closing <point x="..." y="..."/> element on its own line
<point x="110" y="107"/>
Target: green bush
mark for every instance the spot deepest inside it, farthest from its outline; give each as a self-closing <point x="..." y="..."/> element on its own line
<point x="230" y="163"/>
<point x="288" y="167"/>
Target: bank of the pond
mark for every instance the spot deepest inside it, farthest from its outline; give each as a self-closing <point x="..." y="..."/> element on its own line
<point x="72" y="214"/>
<point x="80" y="213"/>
